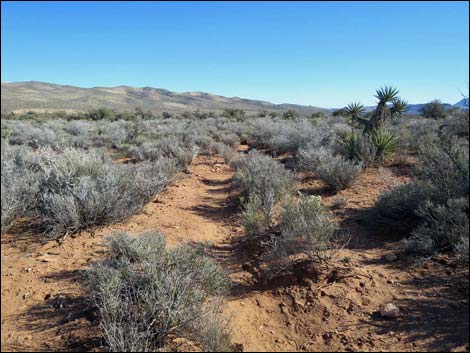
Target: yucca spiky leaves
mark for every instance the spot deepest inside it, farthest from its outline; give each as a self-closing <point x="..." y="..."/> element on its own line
<point x="354" y="109"/>
<point x="386" y="94"/>
<point x="398" y="106"/>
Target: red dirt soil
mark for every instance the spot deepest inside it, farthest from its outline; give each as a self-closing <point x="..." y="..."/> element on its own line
<point x="44" y="303"/>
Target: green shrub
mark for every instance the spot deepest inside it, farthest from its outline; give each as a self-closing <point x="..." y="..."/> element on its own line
<point x="145" y="292"/>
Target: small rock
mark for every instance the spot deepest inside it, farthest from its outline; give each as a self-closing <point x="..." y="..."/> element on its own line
<point x="46" y="259"/>
<point x="27" y="269"/>
<point x="390" y="310"/>
<point x="391" y="257"/>
<point x="365" y="301"/>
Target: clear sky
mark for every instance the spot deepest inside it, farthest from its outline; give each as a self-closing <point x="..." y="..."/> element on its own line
<point x="317" y="53"/>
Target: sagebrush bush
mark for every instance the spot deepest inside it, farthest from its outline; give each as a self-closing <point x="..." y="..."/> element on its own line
<point x="145" y="291"/>
<point x="456" y="125"/>
<point x="19" y="185"/>
<point x="226" y="152"/>
<point x="167" y="147"/>
<point x="443" y="165"/>
<point x="254" y="220"/>
<point x="434" y="110"/>
<point x="34" y="135"/>
<point x="229" y="139"/>
<point x="444" y="228"/>
<point x="336" y="171"/>
<point x="80" y="189"/>
<point x="261" y="177"/>
<point x="396" y="209"/>
<point x="306" y="227"/>
<point x="434" y="207"/>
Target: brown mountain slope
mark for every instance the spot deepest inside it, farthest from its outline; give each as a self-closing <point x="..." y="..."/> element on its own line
<point x="33" y="95"/>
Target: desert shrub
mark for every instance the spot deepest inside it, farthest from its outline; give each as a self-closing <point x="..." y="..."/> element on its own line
<point x="443" y="165"/>
<point x="81" y="189"/>
<point x="262" y="178"/>
<point x="335" y="170"/>
<point x="396" y="209"/>
<point x="226" y="152"/>
<point x="291" y="135"/>
<point x="112" y="134"/>
<point x="253" y="219"/>
<point x="33" y="135"/>
<point x="338" y="172"/>
<point x="78" y="127"/>
<point x="434" y="110"/>
<point x="19" y="184"/>
<point x="456" y="125"/>
<point x="433" y="208"/>
<point x="306" y="227"/>
<point x="229" y="139"/>
<point x="444" y="228"/>
<point x="145" y="292"/>
<point x="166" y="147"/>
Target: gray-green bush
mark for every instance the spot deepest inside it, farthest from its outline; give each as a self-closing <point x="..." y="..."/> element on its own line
<point x="262" y="179"/>
<point x="335" y="170"/>
<point x="80" y="189"/>
<point x="19" y="184"/>
<point x="434" y="207"/>
<point x="145" y="291"/>
<point x="444" y="228"/>
<point x="306" y="227"/>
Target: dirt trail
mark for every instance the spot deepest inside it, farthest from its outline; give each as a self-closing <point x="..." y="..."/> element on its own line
<point x="44" y="307"/>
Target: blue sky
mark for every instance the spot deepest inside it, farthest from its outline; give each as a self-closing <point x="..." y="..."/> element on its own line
<point x="318" y="53"/>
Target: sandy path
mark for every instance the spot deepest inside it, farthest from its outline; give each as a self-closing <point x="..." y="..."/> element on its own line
<point x="36" y="277"/>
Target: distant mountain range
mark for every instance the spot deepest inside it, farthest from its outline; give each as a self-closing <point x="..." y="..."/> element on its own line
<point x="41" y="96"/>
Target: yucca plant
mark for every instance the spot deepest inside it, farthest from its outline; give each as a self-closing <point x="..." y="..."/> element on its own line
<point x="355" y="111"/>
<point x="383" y="112"/>
<point x="386" y="96"/>
<point x="386" y="143"/>
<point x="369" y="149"/>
